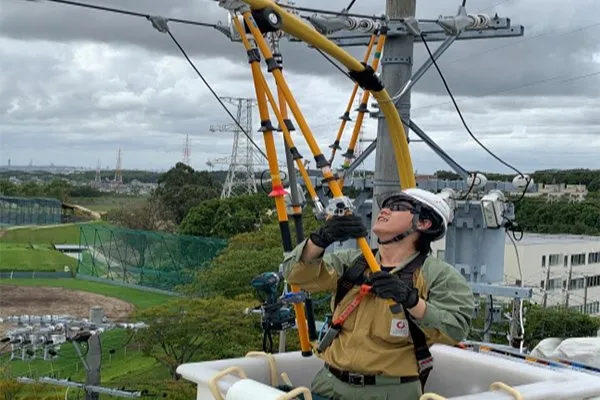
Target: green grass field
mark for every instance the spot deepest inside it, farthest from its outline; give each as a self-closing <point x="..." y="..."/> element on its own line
<point x="39" y="258"/>
<point x="30" y="248"/>
<point x="125" y="367"/>
<point x="59" y="234"/>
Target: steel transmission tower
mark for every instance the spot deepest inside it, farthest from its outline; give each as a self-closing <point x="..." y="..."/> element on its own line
<point x="118" y="172"/>
<point x="240" y="175"/>
<point x="187" y="150"/>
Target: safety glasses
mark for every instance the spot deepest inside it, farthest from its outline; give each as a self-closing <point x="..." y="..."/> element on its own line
<point x="397" y="205"/>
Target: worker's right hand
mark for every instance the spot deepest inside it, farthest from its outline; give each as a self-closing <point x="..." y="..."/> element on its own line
<point x="338" y="229"/>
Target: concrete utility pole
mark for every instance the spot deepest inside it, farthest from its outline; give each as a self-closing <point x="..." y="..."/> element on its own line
<point x="396" y="70"/>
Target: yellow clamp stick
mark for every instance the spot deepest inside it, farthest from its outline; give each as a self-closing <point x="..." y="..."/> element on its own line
<point x="335" y="144"/>
<point x="277" y="185"/>
<point x="314" y="147"/>
<point x="296" y="27"/>
<point x="281" y="117"/>
<point x="363" y="100"/>
<point x="327" y="174"/>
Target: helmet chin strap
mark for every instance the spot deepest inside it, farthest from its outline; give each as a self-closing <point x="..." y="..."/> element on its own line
<point x="413" y="228"/>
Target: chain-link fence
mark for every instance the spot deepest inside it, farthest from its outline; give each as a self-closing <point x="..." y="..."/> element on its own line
<point x="29" y="211"/>
<point x="151" y="259"/>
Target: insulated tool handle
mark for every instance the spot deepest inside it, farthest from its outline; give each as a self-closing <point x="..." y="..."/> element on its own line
<point x="278" y="191"/>
<point x="294" y="26"/>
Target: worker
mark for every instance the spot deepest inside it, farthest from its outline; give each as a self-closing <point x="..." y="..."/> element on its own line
<point x="380" y="349"/>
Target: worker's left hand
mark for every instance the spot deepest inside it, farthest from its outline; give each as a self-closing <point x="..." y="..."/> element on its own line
<point x="390" y="286"/>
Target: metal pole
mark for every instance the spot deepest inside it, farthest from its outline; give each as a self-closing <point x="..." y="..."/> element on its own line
<point x="568" y="286"/>
<point x="515" y="325"/>
<point x="585" y="288"/>
<point x="545" y="301"/>
<point x="396" y="71"/>
<point x="94" y="362"/>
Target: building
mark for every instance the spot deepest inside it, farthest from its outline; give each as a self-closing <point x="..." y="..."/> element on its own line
<point x="562" y="269"/>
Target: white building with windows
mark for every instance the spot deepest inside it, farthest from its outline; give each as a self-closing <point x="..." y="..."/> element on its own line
<point x="562" y="269"/>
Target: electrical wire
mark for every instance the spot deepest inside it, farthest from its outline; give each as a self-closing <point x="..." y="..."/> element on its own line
<point x="535" y="83"/>
<point x="148" y="17"/>
<point x="334" y="64"/>
<point x="338" y="13"/>
<point x="525" y="39"/>
<point x="492" y="6"/>
<point x="215" y="95"/>
<point x="131" y="13"/>
<point x="458" y="109"/>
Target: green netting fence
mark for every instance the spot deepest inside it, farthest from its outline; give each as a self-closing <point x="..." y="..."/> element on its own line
<point x="143" y="258"/>
<point x="29" y="211"/>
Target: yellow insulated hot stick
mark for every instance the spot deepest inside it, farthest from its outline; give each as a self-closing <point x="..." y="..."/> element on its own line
<point x="346" y="116"/>
<point x="299" y="29"/>
<point x="261" y="98"/>
<point x="361" y="114"/>
<point x="314" y="147"/>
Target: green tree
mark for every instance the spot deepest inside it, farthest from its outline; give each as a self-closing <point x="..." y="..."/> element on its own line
<point x="182" y="188"/>
<point x="224" y="218"/>
<point x="150" y="215"/>
<point x="58" y="189"/>
<point x="185" y="330"/>
<point x="541" y="323"/>
<point x="7" y="188"/>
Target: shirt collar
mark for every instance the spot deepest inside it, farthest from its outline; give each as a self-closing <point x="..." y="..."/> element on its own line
<point x="402" y="264"/>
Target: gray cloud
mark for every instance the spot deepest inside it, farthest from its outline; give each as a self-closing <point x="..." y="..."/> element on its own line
<point x="78" y="84"/>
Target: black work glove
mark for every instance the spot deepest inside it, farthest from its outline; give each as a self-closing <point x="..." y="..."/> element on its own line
<point x="338" y="229"/>
<point x="389" y="286"/>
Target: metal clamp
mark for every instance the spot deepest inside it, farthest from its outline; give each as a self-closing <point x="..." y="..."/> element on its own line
<point x="339" y="206"/>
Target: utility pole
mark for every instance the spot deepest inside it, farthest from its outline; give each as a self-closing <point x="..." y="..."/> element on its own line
<point x="585" y="289"/>
<point x="546" y="283"/>
<point x="396" y="70"/>
<point x="568" y="287"/>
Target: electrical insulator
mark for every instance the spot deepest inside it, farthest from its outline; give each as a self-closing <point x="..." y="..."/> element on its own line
<point x="521" y="181"/>
<point x="476" y="181"/>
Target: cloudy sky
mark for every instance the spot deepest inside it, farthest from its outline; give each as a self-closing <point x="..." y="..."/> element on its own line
<point x="77" y="84"/>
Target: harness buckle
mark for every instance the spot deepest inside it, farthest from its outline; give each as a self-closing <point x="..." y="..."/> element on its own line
<point x="356" y="379"/>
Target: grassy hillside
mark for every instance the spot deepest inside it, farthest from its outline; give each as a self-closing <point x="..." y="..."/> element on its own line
<point x="58" y="234"/>
<point x="107" y="203"/>
<point x="39" y="258"/>
<point x="29" y="248"/>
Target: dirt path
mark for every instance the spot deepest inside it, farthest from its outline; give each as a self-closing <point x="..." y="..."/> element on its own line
<point x="18" y="300"/>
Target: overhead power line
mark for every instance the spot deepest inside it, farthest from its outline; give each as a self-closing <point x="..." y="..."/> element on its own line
<point x="338" y="13"/>
<point x="460" y="113"/>
<point x="161" y="24"/>
<point x="556" y="79"/>
<point x="549" y="33"/>
<point x="131" y="13"/>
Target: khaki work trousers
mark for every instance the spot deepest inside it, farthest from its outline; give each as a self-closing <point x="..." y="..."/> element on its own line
<point x="328" y="386"/>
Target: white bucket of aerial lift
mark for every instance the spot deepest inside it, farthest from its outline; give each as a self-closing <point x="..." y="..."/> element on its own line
<point x="458" y="375"/>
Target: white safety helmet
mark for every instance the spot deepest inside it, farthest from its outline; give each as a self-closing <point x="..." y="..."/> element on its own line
<point x="430" y="201"/>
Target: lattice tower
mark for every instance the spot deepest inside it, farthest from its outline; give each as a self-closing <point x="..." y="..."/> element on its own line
<point x="241" y="173"/>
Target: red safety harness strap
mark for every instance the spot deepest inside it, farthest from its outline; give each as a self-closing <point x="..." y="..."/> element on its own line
<point x="364" y="290"/>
